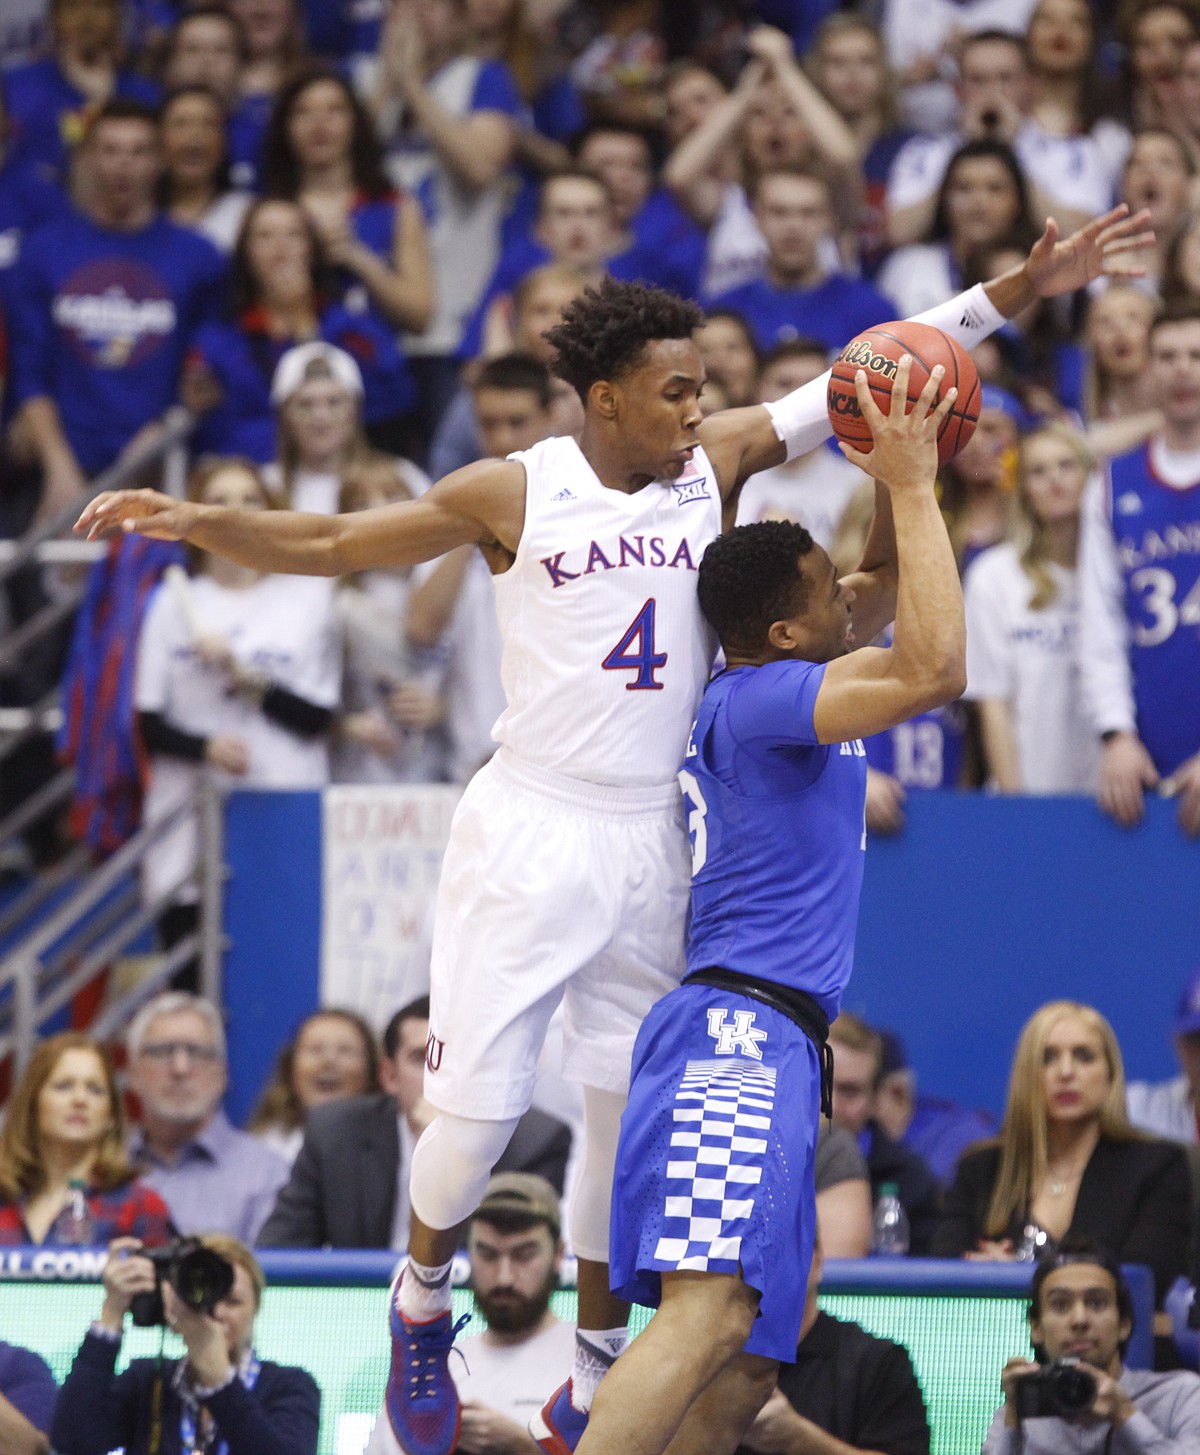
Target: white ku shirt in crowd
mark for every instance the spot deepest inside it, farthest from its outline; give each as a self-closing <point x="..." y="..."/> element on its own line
<point x="1029" y="659"/>
<point x="813" y="489"/>
<point x="281" y="625"/>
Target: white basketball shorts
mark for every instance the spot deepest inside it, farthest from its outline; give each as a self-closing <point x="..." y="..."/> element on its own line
<point x="552" y="890"/>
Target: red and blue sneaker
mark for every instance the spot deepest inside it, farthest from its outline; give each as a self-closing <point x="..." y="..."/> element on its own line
<point x="560" y="1426"/>
<point x="422" y="1402"/>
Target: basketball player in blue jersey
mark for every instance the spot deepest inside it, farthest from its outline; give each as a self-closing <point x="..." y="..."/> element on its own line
<point x="566" y="874"/>
<point x="713" y="1201"/>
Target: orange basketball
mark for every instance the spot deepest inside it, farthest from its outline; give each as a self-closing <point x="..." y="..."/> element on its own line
<point x="878" y="351"/>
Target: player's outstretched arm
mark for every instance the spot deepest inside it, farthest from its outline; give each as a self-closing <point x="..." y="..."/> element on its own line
<point x="871" y="690"/>
<point x="477" y="505"/>
<point x="740" y="442"/>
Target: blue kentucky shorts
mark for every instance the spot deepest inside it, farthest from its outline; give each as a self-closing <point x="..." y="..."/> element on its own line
<point x="714" y="1168"/>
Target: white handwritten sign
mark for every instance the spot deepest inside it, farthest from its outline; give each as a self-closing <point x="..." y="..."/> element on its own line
<point x="381" y="855"/>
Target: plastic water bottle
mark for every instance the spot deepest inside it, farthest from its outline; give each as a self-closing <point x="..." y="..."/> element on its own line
<point x="890" y="1238"/>
<point x="74" y="1222"/>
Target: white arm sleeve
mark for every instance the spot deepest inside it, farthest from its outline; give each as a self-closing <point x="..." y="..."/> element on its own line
<point x="801" y="418"/>
<point x="1103" y="629"/>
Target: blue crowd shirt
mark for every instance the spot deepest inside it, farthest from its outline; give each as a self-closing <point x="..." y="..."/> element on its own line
<point x="777" y="827"/>
<point x="101" y="321"/>
<point x="28" y="1385"/>
<point x="47" y="114"/>
<point x="834" y="311"/>
<point x="243" y="355"/>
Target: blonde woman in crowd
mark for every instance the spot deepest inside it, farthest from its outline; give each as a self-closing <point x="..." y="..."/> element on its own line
<point x="1117" y="405"/>
<point x="1022" y="604"/>
<point x="1068" y="1161"/>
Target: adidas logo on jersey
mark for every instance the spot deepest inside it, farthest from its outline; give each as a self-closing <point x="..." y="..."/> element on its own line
<point x="1129" y="504"/>
<point x="564" y="495"/>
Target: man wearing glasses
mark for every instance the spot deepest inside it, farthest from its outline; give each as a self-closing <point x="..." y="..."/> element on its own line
<point x="213" y="1178"/>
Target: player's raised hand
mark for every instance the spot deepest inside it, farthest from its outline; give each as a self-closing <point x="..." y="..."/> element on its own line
<point x="146" y="512"/>
<point x="905" y="453"/>
<point x="1107" y="246"/>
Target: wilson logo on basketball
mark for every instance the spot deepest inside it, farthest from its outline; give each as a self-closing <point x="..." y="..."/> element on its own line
<point x="861" y="356"/>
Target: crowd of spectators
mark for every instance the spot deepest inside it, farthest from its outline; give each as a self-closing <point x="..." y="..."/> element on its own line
<point x="1068" y="1182"/>
<point x="335" y="235"/>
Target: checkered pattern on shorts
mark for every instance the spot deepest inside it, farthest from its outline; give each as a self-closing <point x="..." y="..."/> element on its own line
<point x="722" y="1121"/>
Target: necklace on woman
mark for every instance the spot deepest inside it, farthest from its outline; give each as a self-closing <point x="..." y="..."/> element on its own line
<point x="1056" y="1184"/>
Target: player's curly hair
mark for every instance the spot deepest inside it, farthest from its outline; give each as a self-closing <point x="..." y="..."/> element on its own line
<point x="749" y="578"/>
<point x="606" y="328"/>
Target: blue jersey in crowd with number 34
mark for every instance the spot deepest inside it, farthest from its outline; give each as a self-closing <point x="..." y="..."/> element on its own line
<point x="778" y="834"/>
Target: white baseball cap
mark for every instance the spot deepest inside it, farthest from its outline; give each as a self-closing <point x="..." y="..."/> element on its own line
<point x="295" y="368"/>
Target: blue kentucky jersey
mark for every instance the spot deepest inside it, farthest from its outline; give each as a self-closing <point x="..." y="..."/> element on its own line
<point x="776" y="822"/>
<point x="1157" y="531"/>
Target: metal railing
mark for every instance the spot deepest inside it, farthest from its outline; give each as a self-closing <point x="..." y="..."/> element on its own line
<point x="41" y="543"/>
<point x="106" y="915"/>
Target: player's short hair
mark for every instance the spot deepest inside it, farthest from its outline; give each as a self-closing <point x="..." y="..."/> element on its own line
<point x="605" y="330"/>
<point x="750" y="577"/>
<point x="516" y="371"/>
<point x="415" y="1010"/>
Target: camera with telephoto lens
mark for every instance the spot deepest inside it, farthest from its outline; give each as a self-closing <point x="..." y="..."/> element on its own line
<point x="200" y="1277"/>
<point x="1061" y="1390"/>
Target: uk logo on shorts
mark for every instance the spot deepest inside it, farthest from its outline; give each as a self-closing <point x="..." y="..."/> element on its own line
<point x="722" y="1122"/>
<point x="738" y="1038"/>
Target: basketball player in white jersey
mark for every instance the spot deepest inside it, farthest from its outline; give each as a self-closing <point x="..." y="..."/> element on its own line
<point x="566" y="876"/>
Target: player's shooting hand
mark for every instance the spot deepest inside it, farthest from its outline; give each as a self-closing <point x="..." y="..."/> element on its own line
<point x="487" y="1432"/>
<point x="1126" y="771"/>
<point x="1108" y="245"/>
<point x="144" y="512"/>
<point x="776" y="1427"/>
<point x="904" y="456"/>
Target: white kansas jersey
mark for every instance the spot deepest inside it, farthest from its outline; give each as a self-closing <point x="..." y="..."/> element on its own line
<point x="605" y="649"/>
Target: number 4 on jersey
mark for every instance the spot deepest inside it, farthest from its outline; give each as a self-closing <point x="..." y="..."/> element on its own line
<point x="645" y="661"/>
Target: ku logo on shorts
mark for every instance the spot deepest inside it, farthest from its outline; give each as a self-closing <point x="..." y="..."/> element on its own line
<point x="738" y="1038"/>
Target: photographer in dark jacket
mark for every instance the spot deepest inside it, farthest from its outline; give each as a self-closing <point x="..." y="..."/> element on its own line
<point x="220" y="1397"/>
<point x="1081" y="1310"/>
